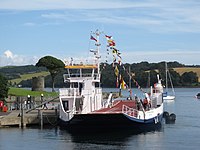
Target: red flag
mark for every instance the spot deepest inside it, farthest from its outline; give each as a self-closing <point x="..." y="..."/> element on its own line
<point x="108" y="36"/>
<point x="112" y="43"/>
<point x="92" y="38"/>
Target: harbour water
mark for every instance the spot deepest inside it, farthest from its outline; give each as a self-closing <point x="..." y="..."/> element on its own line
<point x="184" y="134"/>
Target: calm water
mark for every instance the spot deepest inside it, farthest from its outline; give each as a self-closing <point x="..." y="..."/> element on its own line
<point x="184" y="134"/>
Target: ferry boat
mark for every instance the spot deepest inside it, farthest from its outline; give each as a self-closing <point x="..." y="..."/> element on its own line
<point x="82" y="108"/>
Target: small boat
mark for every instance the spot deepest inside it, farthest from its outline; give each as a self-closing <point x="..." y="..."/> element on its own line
<point x="166" y="95"/>
<point x="198" y="96"/>
<point x="82" y="108"/>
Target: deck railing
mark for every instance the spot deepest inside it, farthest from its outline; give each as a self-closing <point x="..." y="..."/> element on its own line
<point x="69" y="92"/>
<point x="95" y="75"/>
<point x="75" y="91"/>
<point x="130" y="111"/>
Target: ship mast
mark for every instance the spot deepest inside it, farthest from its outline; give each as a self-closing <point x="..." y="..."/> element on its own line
<point x="97" y="51"/>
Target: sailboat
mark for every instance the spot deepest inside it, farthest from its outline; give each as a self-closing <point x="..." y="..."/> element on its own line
<point x="166" y="95"/>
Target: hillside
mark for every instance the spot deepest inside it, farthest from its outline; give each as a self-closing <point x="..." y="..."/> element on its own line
<point x="16" y="74"/>
<point x="29" y="76"/>
<point x="182" y="70"/>
<point x="22" y="75"/>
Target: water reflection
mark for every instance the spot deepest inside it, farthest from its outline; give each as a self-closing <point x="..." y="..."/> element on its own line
<point x="109" y="140"/>
<point x="54" y="138"/>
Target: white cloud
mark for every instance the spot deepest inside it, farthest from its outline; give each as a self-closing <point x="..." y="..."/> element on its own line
<point x="30" y="24"/>
<point x="69" y="4"/>
<point x="10" y="59"/>
<point x="127" y="57"/>
<point x="8" y="54"/>
<point x="152" y="15"/>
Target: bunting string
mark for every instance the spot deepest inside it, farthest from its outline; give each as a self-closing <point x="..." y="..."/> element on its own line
<point x="117" y="60"/>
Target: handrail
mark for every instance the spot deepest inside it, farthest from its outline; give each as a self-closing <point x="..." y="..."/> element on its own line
<point x="69" y="92"/>
<point x="130" y="111"/>
<point x="69" y="75"/>
<point x="81" y="66"/>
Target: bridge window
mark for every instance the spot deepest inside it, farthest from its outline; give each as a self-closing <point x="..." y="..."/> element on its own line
<point x="66" y="105"/>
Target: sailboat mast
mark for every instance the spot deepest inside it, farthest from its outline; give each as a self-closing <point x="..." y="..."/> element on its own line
<point x="171" y="83"/>
<point x="166" y="70"/>
<point x="168" y="74"/>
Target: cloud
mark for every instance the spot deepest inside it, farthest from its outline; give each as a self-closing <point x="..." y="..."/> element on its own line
<point x="29" y="24"/>
<point x="182" y="56"/>
<point x="151" y="15"/>
<point x="10" y="59"/>
<point x="68" y="4"/>
<point x="8" y="54"/>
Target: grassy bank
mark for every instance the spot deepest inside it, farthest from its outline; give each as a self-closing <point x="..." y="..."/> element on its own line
<point x="24" y="92"/>
<point x="29" y="76"/>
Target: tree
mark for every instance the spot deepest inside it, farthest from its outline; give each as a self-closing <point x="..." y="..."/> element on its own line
<point x="189" y="78"/>
<point x="3" y="87"/>
<point x="53" y="65"/>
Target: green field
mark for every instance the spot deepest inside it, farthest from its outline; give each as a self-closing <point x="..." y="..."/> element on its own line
<point x="29" y="76"/>
<point x="25" y="92"/>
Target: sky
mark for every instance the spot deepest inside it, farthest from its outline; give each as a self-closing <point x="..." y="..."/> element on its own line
<point x="143" y="30"/>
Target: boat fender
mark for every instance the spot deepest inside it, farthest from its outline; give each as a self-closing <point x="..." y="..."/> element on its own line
<point x="165" y="114"/>
<point x="170" y="119"/>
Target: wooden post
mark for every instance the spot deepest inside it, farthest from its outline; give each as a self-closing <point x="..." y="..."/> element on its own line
<point x="41" y="119"/>
<point x="22" y="113"/>
<point x="56" y="112"/>
<point x="120" y="92"/>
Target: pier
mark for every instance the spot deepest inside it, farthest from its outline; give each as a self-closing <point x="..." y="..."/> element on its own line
<point x="30" y="111"/>
<point x="38" y="117"/>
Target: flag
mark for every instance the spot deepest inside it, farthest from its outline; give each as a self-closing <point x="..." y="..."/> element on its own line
<point x="92" y="38"/>
<point x="112" y="43"/>
<point x="119" y="55"/>
<point x="114" y="51"/>
<point x="123" y="84"/>
<point x="116" y="71"/>
<point x="109" y="37"/>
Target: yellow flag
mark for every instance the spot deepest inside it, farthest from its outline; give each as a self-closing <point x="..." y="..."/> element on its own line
<point x="116" y="71"/>
<point x="123" y="84"/>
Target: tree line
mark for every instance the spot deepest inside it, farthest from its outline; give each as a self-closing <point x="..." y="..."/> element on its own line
<point x="144" y="73"/>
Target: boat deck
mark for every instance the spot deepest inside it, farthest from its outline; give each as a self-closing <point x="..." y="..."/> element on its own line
<point x="117" y="107"/>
